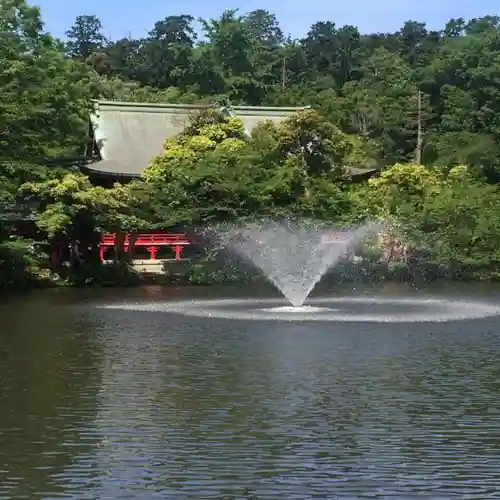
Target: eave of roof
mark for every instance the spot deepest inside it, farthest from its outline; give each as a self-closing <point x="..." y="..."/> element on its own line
<point x="358" y="171"/>
<point x="130" y="135"/>
<point x="165" y="107"/>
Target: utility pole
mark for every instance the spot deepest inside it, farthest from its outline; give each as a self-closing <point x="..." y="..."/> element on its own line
<point x="418" y="150"/>
<point x="283" y="75"/>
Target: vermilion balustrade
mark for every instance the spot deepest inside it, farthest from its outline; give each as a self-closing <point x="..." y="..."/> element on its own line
<point x="152" y="242"/>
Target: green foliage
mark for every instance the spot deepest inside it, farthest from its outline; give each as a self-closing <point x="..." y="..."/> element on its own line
<point x="112" y="274"/>
<point x="43" y="113"/>
<point x="398" y="101"/>
<point x="22" y="265"/>
<point x="210" y="173"/>
<point x="71" y="205"/>
<point x="402" y="185"/>
<point x="449" y="222"/>
<point x="381" y="87"/>
<point x="85" y="37"/>
<point x="459" y="227"/>
<point x="207" y="131"/>
<point x="45" y="98"/>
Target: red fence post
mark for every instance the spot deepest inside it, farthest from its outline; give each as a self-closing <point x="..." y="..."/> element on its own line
<point x="178" y="249"/>
<point x="152" y="252"/>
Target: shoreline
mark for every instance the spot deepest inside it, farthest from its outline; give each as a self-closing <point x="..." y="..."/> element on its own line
<point x="201" y="274"/>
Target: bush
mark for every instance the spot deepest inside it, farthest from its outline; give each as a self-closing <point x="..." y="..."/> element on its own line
<point x="119" y="274"/>
<point x="23" y="265"/>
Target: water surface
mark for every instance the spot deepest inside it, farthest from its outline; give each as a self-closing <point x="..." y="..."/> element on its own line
<point x="100" y="403"/>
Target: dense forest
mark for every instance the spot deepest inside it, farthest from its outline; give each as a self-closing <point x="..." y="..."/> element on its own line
<point x="421" y="106"/>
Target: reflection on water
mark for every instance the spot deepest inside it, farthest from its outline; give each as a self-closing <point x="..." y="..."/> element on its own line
<point x="100" y="403"/>
<point x="48" y="376"/>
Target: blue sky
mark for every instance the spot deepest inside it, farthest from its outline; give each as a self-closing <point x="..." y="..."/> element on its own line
<point x="123" y="17"/>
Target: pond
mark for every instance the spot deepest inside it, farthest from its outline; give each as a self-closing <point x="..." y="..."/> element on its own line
<point x="141" y="404"/>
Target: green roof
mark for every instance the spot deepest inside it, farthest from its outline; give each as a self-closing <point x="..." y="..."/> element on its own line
<point x="129" y="135"/>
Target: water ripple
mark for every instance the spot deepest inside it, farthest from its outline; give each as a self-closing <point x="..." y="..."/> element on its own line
<point x="126" y="404"/>
<point x="335" y="309"/>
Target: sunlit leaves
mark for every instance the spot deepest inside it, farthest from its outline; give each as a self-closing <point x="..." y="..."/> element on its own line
<point x="66" y="202"/>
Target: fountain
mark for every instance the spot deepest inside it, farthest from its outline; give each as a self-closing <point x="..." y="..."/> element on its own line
<point x="293" y="256"/>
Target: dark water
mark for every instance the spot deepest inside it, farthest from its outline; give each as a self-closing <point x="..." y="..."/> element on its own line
<point x="117" y="404"/>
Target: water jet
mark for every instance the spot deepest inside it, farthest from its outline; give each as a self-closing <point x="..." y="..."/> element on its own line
<point x="293" y="255"/>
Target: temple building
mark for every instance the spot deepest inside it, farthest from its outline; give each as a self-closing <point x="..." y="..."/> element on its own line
<point x="126" y="136"/>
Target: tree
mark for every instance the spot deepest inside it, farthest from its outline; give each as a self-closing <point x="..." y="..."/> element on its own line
<point x="383" y="106"/>
<point x="458" y="228"/>
<point x="460" y="80"/>
<point x="85" y="37"/>
<point x="211" y="173"/>
<point x="264" y="27"/>
<point x="425" y="102"/>
<point x="413" y="36"/>
<point x="124" y="57"/>
<point x="71" y="206"/>
<point x="45" y="101"/>
<point x="45" y="96"/>
<point x="399" y="187"/>
<point x="232" y="52"/>
<point x="208" y="130"/>
<point x="165" y="57"/>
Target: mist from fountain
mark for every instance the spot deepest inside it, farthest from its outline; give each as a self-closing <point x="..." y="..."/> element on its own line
<point x="294" y="256"/>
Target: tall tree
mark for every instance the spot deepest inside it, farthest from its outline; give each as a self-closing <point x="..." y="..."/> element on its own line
<point x="85" y="37"/>
<point x="231" y="49"/>
<point x="44" y="94"/>
<point x="166" y="55"/>
<point x="45" y="99"/>
<point x="265" y="27"/>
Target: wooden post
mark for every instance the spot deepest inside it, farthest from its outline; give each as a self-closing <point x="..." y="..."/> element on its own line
<point x="283" y="75"/>
<point x="418" y="150"/>
<point x="152" y="252"/>
<point x="178" y="249"/>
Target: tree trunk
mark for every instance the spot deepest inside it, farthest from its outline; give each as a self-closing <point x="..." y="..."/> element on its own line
<point x="120" y="254"/>
<point x="132" y="240"/>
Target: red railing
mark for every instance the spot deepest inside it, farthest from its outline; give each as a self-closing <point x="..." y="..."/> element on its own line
<point x="153" y="242"/>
